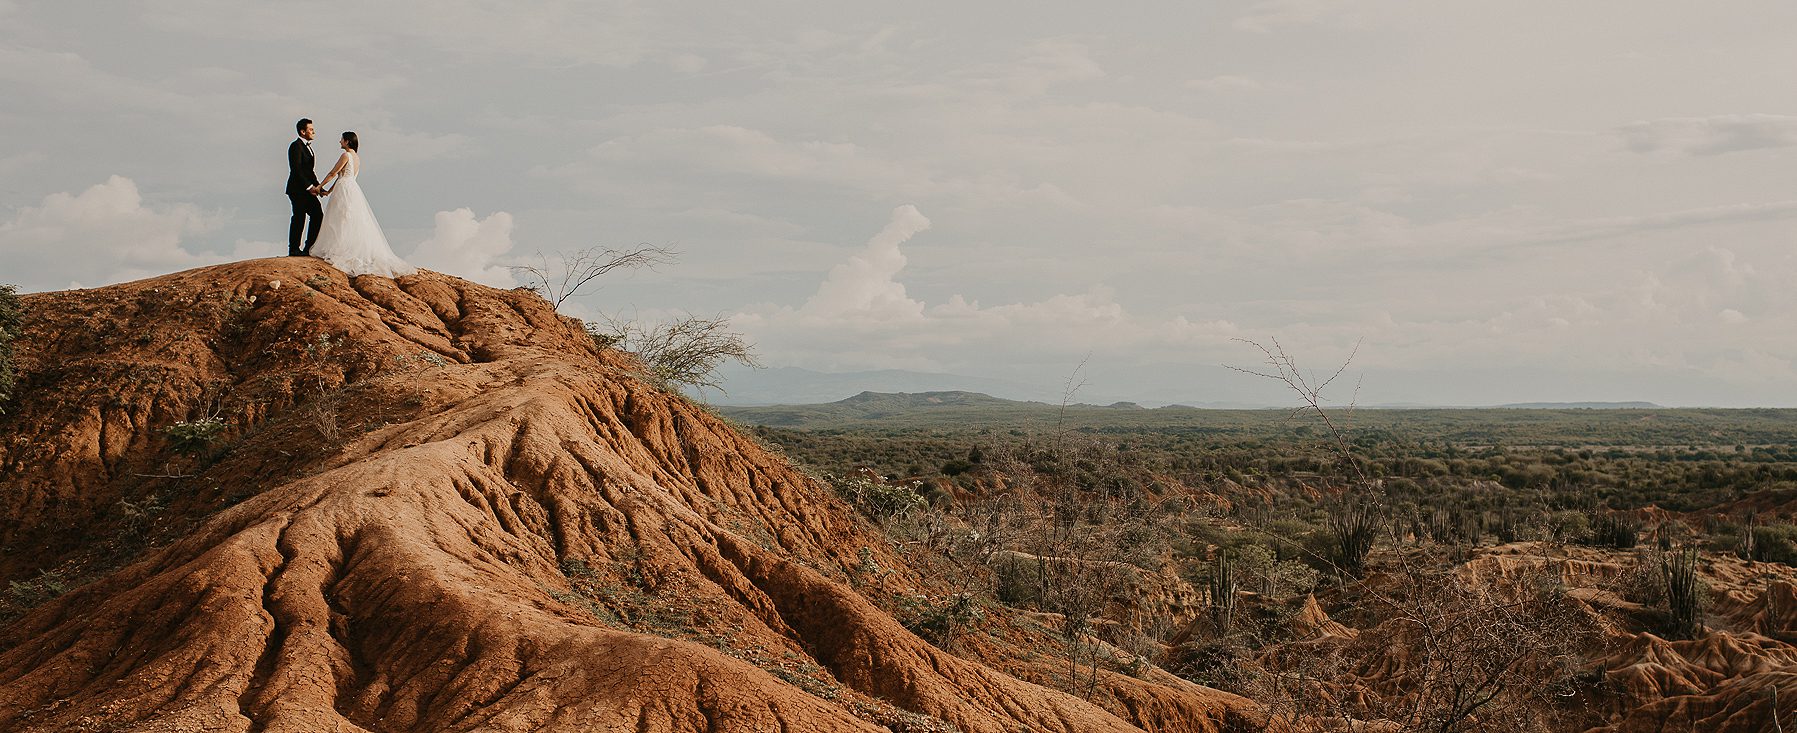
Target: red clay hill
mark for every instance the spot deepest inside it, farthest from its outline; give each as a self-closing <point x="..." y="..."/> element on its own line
<point x="264" y="497"/>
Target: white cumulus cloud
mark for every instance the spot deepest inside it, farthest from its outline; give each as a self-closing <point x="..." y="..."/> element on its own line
<point x="866" y="285"/>
<point x="862" y="317"/>
<point x="467" y="246"/>
<point x="103" y="235"/>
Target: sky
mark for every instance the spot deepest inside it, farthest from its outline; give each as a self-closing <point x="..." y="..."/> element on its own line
<point x="1480" y="203"/>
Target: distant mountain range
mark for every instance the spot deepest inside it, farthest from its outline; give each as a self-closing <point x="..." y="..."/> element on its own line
<point x="799" y="386"/>
<point x="961" y="408"/>
<point x="1583" y="406"/>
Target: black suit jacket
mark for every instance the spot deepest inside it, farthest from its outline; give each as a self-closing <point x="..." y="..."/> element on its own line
<point x="300" y="175"/>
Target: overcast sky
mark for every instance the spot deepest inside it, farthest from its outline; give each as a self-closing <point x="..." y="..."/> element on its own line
<point x="1500" y="202"/>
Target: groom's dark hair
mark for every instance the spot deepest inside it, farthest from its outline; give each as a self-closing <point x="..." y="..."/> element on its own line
<point x="301" y="125"/>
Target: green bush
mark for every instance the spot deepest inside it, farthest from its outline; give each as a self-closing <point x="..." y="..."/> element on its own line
<point x="940" y="619"/>
<point x="956" y="467"/>
<point x="11" y="320"/>
<point x="191" y="437"/>
<point x="877" y="499"/>
<point x="26" y="594"/>
<point x="1775" y="543"/>
<point x="1568" y="526"/>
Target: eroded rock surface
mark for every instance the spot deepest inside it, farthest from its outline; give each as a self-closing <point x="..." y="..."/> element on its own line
<point x="437" y="506"/>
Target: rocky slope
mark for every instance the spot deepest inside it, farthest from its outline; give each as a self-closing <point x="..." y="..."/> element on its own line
<point x="282" y="500"/>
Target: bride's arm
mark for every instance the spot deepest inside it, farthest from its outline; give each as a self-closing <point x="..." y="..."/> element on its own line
<point x="342" y="160"/>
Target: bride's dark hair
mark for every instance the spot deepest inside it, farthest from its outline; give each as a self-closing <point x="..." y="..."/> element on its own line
<point x="350" y="137"/>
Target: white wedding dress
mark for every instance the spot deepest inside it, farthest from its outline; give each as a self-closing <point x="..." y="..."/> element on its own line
<point x="349" y="237"/>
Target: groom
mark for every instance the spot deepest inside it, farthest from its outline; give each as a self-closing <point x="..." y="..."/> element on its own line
<point x="302" y="190"/>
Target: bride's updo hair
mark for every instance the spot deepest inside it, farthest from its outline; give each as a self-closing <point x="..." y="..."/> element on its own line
<point x="350" y="138"/>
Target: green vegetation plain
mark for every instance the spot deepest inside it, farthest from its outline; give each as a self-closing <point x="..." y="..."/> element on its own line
<point x="1683" y="459"/>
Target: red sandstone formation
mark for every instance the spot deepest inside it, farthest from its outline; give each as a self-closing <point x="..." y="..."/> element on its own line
<point x="437" y="506"/>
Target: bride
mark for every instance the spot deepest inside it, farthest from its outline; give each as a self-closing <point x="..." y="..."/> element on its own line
<point x="348" y="236"/>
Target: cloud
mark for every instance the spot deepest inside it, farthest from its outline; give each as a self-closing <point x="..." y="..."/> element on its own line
<point x="1715" y="135"/>
<point x="1045" y="64"/>
<point x="1269" y="15"/>
<point x="469" y="247"/>
<point x="686" y="63"/>
<point x="1610" y="227"/>
<point x="1384" y="167"/>
<point x="745" y="151"/>
<point x="862" y="317"/>
<point x="866" y="285"/>
<point x="604" y="32"/>
<point x="1224" y="83"/>
<point x="103" y="235"/>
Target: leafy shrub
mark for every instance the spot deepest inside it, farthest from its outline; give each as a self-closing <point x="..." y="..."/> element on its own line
<point x="877" y="499"/>
<point x="26" y="594"/>
<point x="956" y="467"/>
<point x="939" y="619"/>
<point x="1225" y="663"/>
<point x="1774" y="543"/>
<point x="11" y="317"/>
<point x="1568" y="526"/>
<point x="191" y="437"/>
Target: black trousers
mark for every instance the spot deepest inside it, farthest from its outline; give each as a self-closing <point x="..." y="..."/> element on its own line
<point x="304" y="205"/>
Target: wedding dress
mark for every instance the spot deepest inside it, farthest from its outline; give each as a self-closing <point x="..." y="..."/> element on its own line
<point x="349" y="237"/>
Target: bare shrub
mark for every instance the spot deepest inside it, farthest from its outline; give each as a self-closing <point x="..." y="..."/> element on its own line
<point x="571" y="272"/>
<point x="1437" y="652"/>
<point x="685" y="351"/>
<point x="1084" y="542"/>
<point x="322" y="414"/>
<point x="1447" y="656"/>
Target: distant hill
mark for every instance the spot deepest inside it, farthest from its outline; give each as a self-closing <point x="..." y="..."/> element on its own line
<point x="800" y="386"/>
<point x="963" y="408"/>
<point x="1569" y="423"/>
<point x="1582" y="406"/>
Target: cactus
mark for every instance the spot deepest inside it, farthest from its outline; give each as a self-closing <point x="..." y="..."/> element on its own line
<point x="1223" y="587"/>
<point x="1509" y="526"/>
<point x="1353" y="525"/>
<point x="1617" y="530"/>
<point x="1684" y="593"/>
